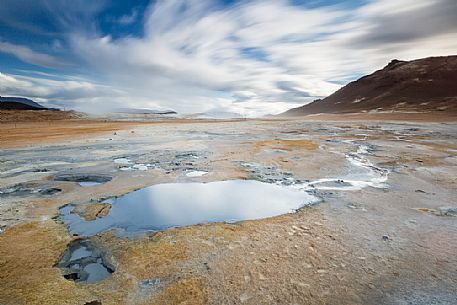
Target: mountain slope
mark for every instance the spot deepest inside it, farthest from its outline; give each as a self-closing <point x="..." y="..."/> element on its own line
<point x="423" y="85"/>
<point x="18" y="103"/>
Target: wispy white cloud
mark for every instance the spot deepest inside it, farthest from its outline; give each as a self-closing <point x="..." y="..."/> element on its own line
<point x="256" y="57"/>
<point x="129" y="19"/>
<point x="27" y="55"/>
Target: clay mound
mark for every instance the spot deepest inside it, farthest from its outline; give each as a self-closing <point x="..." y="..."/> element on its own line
<point x="423" y="85"/>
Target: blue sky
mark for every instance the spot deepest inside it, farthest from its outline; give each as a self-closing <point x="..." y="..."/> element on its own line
<point x="247" y="57"/>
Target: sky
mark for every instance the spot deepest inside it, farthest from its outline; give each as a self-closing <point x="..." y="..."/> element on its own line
<point x="246" y="57"/>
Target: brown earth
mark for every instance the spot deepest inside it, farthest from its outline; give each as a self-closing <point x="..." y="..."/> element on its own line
<point x="15" y="116"/>
<point x="25" y="133"/>
<point x="92" y="211"/>
<point x="330" y="253"/>
<point x="31" y="128"/>
<point x="26" y="127"/>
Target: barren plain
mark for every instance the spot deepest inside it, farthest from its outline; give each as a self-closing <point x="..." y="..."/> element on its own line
<point x="381" y="230"/>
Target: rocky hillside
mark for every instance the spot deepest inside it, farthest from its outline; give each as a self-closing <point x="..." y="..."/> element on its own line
<point x="423" y="85"/>
<point x="18" y="103"/>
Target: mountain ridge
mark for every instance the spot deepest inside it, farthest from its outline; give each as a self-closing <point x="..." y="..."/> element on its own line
<point x="421" y="85"/>
<point x="20" y="103"/>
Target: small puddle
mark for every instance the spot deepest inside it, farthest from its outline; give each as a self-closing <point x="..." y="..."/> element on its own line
<point x="122" y="161"/>
<point x="136" y="167"/>
<point x="89" y="183"/>
<point x="193" y="174"/>
<point x="82" y="261"/>
<point x="162" y="206"/>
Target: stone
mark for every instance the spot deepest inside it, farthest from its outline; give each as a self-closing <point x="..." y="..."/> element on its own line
<point x="447" y="211"/>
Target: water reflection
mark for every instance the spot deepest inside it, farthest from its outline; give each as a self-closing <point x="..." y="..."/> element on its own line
<point x="88" y="183"/>
<point x="180" y="204"/>
<point x="83" y="261"/>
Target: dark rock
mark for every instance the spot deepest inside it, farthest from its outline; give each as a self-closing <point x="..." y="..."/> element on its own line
<point x="96" y="302"/>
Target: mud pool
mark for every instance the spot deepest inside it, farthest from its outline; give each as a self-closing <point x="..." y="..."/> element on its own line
<point x="83" y="180"/>
<point x="181" y="204"/>
<point x="84" y="262"/>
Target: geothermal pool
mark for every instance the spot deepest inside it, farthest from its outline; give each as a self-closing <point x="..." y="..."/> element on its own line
<point x="163" y="206"/>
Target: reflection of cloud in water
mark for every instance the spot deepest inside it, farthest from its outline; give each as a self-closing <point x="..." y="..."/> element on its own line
<point x="88" y="183"/>
<point x="179" y="204"/>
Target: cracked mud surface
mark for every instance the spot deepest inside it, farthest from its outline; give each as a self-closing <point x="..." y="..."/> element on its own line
<point x="388" y="243"/>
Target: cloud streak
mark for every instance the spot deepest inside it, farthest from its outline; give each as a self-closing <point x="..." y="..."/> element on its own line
<point x="254" y="57"/>
<point x="29" y="56"/>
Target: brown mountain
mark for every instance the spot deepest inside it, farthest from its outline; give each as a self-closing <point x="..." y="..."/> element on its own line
<point x="422" y="85"/>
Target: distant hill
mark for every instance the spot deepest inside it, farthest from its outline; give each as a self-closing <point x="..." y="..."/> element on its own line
<point x="20" y="100"/>
<point x="144" y="111"/>
<point x="217" y="115"/>
<point x="20" y="103"/>
<point x="422" y="85"/>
